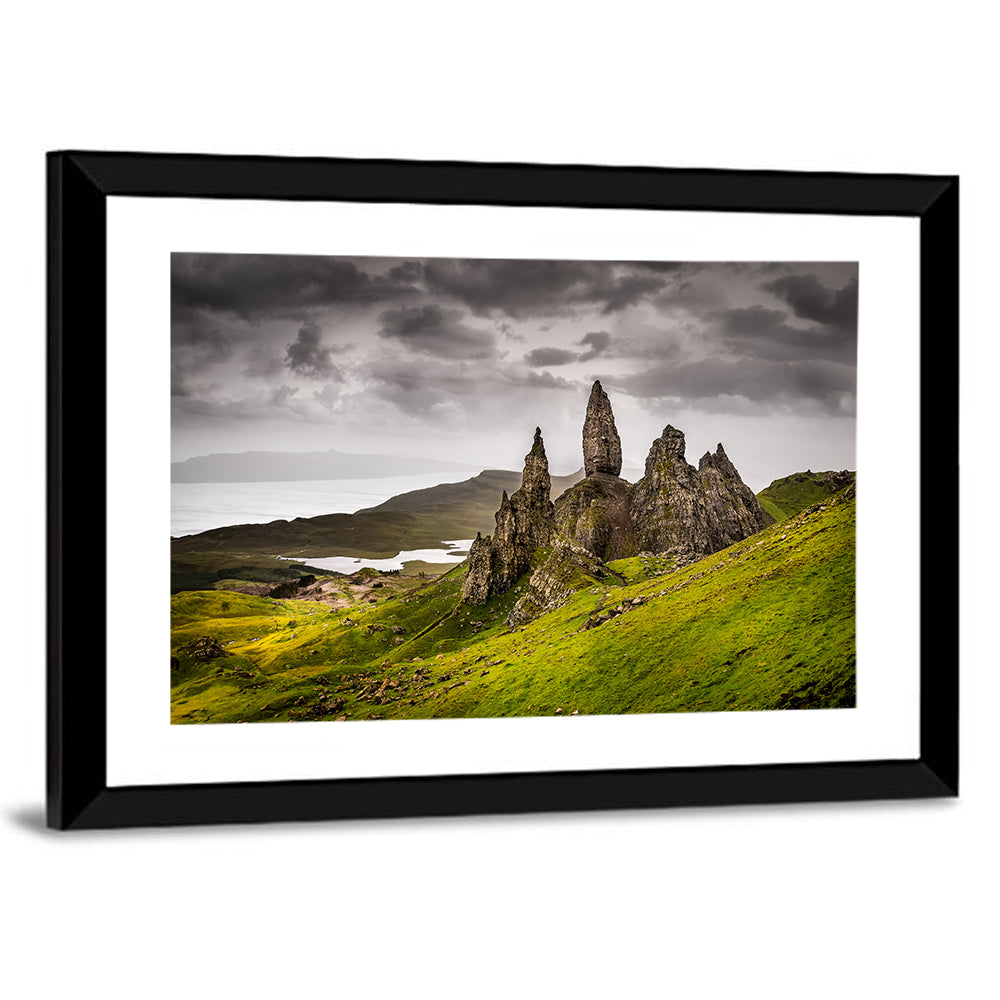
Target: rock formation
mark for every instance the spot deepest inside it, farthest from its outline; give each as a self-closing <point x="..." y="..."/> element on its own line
<point x="525" y="522"/>
<point x="567" y="567"/>
<point x="596" y="512"/>
<point x="674" y="510"/>
<point x="690" y="512"/>
<point x="602" y="447"/>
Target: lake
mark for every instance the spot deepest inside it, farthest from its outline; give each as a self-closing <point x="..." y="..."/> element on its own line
<point x="349" y="564"/>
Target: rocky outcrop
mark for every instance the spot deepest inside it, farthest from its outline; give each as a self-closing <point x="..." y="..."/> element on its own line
<point x="675" y="510"/>
<point x="836" y="481"/>
<point x="207" y="647"/>
<point x="525" y="522"/>
<point x="602" y="447"/>
<point x="567" y="568"/>
<point x="597" y="514"/>
<point x="691" y="512"/>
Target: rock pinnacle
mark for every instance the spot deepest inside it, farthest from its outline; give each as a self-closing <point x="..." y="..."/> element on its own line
<point x="602" y="447"/>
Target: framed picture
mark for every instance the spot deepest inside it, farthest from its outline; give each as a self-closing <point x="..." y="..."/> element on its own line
<point x="397" y="464"/>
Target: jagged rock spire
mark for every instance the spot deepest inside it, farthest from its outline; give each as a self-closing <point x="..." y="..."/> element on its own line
<point x="602" y="447"/>
<point x="525" y="521"/>
<point x="677" y="509"/>
<point x="692" y="512"/>
<point x="535" y="480"/>
<point x="667" y="453"/>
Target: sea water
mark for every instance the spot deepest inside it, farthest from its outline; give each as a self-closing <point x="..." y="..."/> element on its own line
<point x="458" y="549"/>
<point x="198" y="507"/>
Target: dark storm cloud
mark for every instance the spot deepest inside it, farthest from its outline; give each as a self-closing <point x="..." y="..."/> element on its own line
<point x="596" y="343"/>
<point x="307" y="357"/>
<point x="811" y="299"/>
<point x="661" y="266"/>
<point x="658" y="350"/>
<point x="544" y="380"/>
<point x="436" y="331"/>
<point x="462" y="345"/>
<point x="279" y="401"/>
<point x="407" y="273"/>
<point x="254" y="286"/>
<point x="625" y="291"/>
<point x="522" y="288"/>
<point x="203" y="347"/>
<point x="193" y="350"/>
<point x="543" y="357"/>
<point x="824" y="384"/>
<point x="765" y="333"/>
<point x="261" y="362"/>
<point x="417" y="385"/>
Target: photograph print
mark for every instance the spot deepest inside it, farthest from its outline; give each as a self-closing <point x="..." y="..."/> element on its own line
<point x="428" y="488"/>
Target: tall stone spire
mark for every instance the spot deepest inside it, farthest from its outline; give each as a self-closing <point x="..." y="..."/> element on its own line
<point x="602" y="447"/>
<point x="525" y="521"/>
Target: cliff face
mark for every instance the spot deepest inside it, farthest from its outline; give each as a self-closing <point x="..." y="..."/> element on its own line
<point x="525" y="522"/>
<point x="675" y="509"/>
<point x="692" y="512"/>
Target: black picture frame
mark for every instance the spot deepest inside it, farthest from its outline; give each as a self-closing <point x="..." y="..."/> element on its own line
<point x="79" y="184"/>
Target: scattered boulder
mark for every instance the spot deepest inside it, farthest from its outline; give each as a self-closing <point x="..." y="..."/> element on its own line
<point x="283" y="590"/>
<point x="207" y="647"/>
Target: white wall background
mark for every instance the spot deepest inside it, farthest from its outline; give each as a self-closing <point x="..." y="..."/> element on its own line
<point x="810" y="901"/>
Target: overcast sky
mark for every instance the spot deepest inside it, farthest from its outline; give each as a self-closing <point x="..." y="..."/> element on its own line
<point x="461" y="359"/>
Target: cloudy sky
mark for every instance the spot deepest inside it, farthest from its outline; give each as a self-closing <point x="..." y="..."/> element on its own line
<point x="461" y="359"/>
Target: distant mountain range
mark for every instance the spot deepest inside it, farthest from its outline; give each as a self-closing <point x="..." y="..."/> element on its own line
<point x="289" y="466"/>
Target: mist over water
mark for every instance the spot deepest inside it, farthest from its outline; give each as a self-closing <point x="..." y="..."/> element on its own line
<point x="199" y="507"/>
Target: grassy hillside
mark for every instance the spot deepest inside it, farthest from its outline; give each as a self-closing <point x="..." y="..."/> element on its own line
<point x="205" y="571"/>
<point x="786" y="497"/>
<point x="765" y="624"/>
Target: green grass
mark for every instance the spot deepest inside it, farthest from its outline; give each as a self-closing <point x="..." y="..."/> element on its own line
<point x="194" y="570"/>
<point x="787" y="497"/>
<point x="763" y="625"/>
